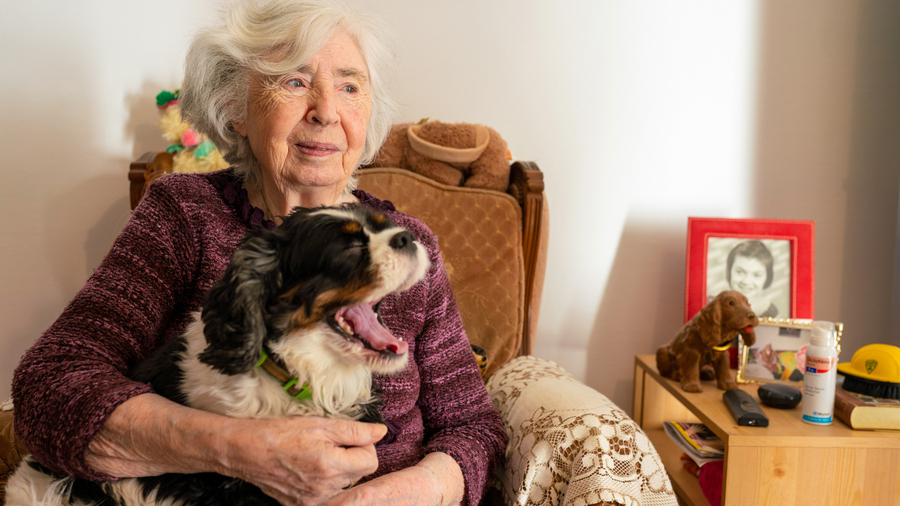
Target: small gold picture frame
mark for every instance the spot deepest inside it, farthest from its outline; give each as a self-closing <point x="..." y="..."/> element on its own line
<point x="779" y="352"/>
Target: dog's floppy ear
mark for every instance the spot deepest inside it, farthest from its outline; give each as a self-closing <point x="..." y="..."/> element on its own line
<point x="709" y="323"/>
<point x="235" y="308"/>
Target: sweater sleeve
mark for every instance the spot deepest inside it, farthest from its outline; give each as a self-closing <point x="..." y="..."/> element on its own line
<point x="458" y="416"/>
<point x="73" y="377"/>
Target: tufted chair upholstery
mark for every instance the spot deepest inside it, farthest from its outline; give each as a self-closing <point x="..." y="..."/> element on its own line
<point x="569" y="445"/>
<point x="480" y="234"/>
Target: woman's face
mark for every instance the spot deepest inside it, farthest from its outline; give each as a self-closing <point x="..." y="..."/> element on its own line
<point x="748" y="275"/>
<point x="308" y="127"/>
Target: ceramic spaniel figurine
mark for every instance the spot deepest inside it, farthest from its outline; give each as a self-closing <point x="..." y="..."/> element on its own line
<point x="705" y="339"/>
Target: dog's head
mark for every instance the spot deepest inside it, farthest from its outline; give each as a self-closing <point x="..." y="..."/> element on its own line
<point x="726" y="314"/>
<point x="313" y="285"/>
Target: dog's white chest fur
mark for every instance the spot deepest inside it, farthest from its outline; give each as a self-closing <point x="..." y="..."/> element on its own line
<point x="337" y="388"/>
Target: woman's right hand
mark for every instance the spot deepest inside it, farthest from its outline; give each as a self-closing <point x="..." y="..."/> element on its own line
<point x="303" y="460"/>
<point x="296" y="461"/>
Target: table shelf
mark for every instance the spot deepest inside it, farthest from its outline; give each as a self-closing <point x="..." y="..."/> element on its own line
<point x="788" y="462"/>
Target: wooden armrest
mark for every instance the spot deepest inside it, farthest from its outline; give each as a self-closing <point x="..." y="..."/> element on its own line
<point x="11" y="451"/>
<point x="526" y="184"/>
<point x="145" y="170"/>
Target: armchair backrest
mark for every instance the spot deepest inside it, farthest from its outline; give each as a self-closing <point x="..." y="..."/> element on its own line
<point x="483" y="235"/>
<point x="493" y="244"/>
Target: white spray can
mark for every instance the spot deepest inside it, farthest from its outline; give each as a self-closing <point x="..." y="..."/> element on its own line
<point x="820" y="375"/>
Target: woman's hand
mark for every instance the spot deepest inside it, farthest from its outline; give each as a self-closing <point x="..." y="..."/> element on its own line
<point x="435" y="481"/>
<point x="296" y="461"/>
<point x="303" y="460"/>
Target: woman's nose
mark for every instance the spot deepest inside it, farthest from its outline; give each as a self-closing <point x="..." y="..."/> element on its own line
<point x="323" y="108"/>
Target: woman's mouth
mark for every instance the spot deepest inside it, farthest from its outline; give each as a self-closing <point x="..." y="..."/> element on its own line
<point x="316" y="148"/>
<point x="744" y="288"/>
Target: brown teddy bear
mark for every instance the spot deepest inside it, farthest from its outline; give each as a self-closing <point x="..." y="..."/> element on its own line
<point x="456" y="154"/>
<point x="706" y="338"/>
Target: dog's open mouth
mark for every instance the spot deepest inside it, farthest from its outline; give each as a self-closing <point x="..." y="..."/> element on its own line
<point x="363" y="323"/>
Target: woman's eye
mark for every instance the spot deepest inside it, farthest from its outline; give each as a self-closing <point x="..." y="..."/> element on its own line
<point x="349" y="88"/>
<point x="295" y="83"/>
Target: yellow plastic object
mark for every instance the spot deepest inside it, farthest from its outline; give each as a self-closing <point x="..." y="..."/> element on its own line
<point x="877" y="362"/>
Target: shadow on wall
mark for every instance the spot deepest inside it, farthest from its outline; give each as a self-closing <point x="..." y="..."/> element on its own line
<point x="143" y="115"/>
<point x="874" y="176"/>
<point x="51" y="187"/>
<point x="101" y="229"/>
<point x="82" y="201"/>
<point x="828" y="148"/>
<point x="111" y="180"/>
<point x="75" y="196"/>
<point x="641" y="309"/>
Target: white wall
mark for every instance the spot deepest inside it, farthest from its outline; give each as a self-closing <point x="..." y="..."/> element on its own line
<point x="639" y="113"/>
<point x="76" y="106"/>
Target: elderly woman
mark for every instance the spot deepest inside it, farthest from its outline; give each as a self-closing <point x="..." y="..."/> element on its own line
<point x="294" y="93"/>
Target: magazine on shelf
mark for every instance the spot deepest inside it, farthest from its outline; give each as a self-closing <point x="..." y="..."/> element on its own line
<point x="696" y="440"/>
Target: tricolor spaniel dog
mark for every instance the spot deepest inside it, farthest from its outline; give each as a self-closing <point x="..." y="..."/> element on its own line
<point x="292" y="328"/>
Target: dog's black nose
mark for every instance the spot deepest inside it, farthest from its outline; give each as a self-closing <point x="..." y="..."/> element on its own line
<point x="403" y="241"/>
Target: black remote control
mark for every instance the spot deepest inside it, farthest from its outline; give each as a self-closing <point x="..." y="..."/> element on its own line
<point x="744" y="409"/>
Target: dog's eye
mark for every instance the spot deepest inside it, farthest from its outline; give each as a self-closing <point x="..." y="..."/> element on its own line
<point x="730" y="302"/>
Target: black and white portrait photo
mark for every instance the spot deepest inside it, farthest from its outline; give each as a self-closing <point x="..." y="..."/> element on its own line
<point x="758" y="268"/>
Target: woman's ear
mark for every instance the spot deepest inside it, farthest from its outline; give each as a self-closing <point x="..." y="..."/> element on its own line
<point x="239" y="127"/>
<point x="235" y="309"/>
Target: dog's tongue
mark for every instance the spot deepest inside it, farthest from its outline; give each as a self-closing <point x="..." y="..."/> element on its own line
<point x="366" y="325"/>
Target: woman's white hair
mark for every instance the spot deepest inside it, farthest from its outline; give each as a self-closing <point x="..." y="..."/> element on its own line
<point x="222" y="58"/>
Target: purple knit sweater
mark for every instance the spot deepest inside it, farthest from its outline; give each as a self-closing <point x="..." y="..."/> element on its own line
<point x="175" y="246"/>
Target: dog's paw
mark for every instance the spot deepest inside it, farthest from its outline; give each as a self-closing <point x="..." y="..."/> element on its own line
<point x="726" y="384"/>
<point x="691" y="386"/>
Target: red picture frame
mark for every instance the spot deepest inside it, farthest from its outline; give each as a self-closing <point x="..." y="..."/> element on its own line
<point x="800" y="237"/>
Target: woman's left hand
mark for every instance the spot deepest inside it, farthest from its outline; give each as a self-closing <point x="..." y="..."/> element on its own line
<point x="435" y="481"/>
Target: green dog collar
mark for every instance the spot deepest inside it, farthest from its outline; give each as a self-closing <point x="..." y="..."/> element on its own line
<point x="287" y="381"/>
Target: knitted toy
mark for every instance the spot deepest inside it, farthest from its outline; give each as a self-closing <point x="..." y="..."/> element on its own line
<point x="456" y="154"/>
<point x="193" y="152"/>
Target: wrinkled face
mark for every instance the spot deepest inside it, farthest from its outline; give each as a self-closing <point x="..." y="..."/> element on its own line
<point x="748" y="275"/>
<point x="308" y="127"/>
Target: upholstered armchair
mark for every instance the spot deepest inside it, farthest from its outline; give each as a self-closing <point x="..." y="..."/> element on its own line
<point x="569" y="445"/>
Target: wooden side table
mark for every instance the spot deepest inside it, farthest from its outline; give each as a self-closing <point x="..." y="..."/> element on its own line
<point x="787" y="463"/>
